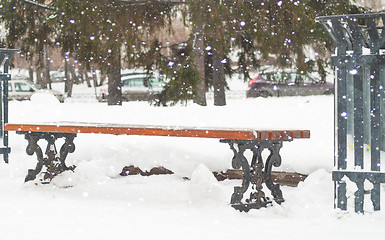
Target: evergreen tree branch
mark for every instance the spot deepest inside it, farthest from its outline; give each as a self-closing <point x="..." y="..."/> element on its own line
<point x="41" y="5"/>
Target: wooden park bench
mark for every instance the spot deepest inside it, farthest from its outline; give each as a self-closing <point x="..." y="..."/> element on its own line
<point x="255" y="172"/>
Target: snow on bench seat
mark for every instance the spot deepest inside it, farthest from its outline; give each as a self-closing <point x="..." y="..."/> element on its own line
<point x="148" y="130"/>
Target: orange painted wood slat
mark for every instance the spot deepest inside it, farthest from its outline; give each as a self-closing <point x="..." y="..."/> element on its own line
<point x="116" y="129"/>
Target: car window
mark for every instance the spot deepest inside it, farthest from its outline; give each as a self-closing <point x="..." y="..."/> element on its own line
<point x="297" y="78"/>
<point x="269" y="77"/>
<point x="134" y="82"/>
<point x="287" y="77"/>
<point x="307" y="79"/>
<point x="279" y="78"/>
<point x="266" y="76"/>
<point x="35" y="86"/>
<point x="142" y="82"/>
<point x="156" y="82"/>
<point x="22" y="87"/>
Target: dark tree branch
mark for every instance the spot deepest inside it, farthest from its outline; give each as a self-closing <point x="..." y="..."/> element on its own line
<point x="45" y="6"/>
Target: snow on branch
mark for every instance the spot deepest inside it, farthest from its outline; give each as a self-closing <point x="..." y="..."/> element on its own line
<point x="146" y="1"/>
<point x="45" y="6"/>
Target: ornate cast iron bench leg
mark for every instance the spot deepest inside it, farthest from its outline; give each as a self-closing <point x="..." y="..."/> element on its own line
<point x="274" y="159"/>
<point x="255" y="174"/>
<point x="54" y="164"/>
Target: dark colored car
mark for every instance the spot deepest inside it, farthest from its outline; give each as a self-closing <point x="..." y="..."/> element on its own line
<point x="278" y="84"/>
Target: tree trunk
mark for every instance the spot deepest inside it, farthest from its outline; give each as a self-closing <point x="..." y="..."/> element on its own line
<point x="209" y="69"/>
<point x="40" y="68"/>
<point x="102" y="76"/>
<point x="219" y="81"/>
<point x="94" y="77"/>
<point x="71" y="68"/>
<point x="69" y="82"/>
<point x="81" y="73"/>
<point x="47" y="77"/>
<point x="30" y="71"/>
<point x="70" y="86"/>
<point x="199" y="55"/>
<point x="39" y="81"/>
<point x="86" y="77"/>
<point x="114" y="79"/>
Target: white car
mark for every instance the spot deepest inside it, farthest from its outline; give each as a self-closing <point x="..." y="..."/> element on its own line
<point x="24" y="89"/>
<point x="136" y="87"/>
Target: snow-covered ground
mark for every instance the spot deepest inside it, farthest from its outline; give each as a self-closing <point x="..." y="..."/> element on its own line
<point x="95" y="202"/>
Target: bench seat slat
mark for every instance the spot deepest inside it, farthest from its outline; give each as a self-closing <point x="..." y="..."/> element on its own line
<point x="116" y="129"/>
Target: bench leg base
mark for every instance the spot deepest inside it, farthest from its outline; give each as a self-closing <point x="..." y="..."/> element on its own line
<point x="53" y="162"/>
<point x="255" y="174"/>
<point x="255" y="205"/>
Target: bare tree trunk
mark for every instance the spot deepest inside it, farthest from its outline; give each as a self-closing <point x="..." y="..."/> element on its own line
<point x="70" y="86"/>
<point x="114" y="79"/>
<point x="40" y="67"/>
<point x="71" y="68"/>
<point x="47" y="77"/>
<point x="81" y="72"/>
<point x="84" y="71"/>
<point x="69" y="82"/>
<point x="209" y="69"/>
<point x="94" y="77"/>
<point x="30" y="71"/>
<point x="219" y="81"/>
<point x="103" y="76"/>
<point x="39" y="81"/>
<point x="199" y="55"/>
<point x="66" y="75"/>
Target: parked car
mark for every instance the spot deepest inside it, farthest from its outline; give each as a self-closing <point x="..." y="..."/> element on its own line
<point x="57" y="76"/>
<point x="24" y="89"/>
<point x="278" y="84"/>
<point x="136" y="87"/>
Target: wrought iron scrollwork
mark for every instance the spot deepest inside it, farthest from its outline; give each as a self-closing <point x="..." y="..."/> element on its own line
<point x="239" y="161"/>
<point x="53" y="163"/>
<point x="340" y="178"/>
<point x="274" y="159"/>
<point x="255" y="174"/>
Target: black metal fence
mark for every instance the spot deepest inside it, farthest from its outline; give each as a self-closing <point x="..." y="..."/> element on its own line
<point x="359" y="64"/>
<point x="5" y="60"/>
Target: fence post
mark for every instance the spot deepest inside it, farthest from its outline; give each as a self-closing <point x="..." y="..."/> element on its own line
<point x="359" y="63"/>
<point x="5" y="60"/>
